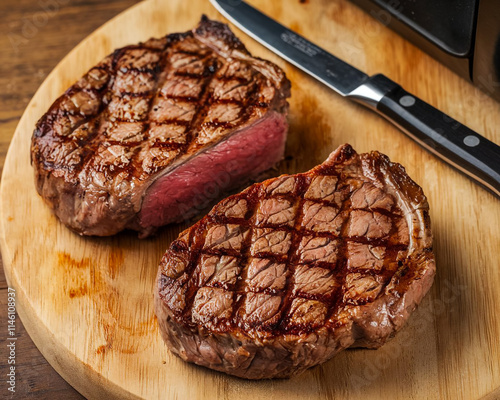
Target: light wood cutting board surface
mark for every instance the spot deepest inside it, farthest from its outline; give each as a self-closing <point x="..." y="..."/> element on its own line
<point x="88" y="304"/>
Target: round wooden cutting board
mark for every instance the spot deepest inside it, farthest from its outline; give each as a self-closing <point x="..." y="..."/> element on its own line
<point x="88" y="302"/>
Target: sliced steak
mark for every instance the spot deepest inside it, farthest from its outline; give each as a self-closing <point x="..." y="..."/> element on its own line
<point x="287" y="273"/>
<point x="157" y="131"/>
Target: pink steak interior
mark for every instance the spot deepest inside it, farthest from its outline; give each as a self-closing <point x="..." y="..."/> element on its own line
<point x="201" y="181"/>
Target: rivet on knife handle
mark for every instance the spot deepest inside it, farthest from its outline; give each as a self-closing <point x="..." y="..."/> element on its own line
<point x="453" y="142"/>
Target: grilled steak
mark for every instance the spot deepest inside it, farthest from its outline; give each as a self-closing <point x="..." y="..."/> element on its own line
<point x="156" y="131"/>
<point x="287" y="273"/>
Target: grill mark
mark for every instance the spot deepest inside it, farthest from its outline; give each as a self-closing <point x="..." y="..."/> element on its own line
<point x="173" y="121"/>
<point x="203" y="106"/>
<point x="145" y="95"/>
<point x="137" y="70"/>
<point x="279" y="259"/>
<point x="194" y="53"/>
<point x="228" y="101"/>
<point x="91" y="90"/>
<point x="222" y="252"/>
<point x="336" y="301"/>
<point x="116" y="56"/>
<point x="247" y="107"/>
<point x="198" y="239"/>
<point x="268" y="291"/>
<point x="218" y="285"/>
<point x="133" y="166"/>
<point x="187" y="99"/>
<point x="222" y="219"/>
<point x="239" y="294"/>
<point x="169" y="146"/>
<point x="303" y="182"/>
<point x="95" y="120"/>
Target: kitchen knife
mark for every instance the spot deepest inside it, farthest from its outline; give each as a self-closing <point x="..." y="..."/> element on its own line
<point x="447" y="138"/>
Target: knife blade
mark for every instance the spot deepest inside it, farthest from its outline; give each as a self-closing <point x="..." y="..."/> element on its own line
<point x="453" y="142"/>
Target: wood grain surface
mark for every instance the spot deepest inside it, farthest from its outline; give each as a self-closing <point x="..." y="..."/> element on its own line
<point x="87" y="302"/>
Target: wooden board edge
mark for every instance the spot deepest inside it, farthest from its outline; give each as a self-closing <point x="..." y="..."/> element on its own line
<point x="79" y="375"/>
<point x="493" y="395"/>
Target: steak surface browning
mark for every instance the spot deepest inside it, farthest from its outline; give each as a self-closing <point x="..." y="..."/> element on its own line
<point x="287" y="273"/>
<point x="119" y="149"/>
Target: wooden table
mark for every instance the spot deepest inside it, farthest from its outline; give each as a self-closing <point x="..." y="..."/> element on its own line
<point x="36" y="35"/>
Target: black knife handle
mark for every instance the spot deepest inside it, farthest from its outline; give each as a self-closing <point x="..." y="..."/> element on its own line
<point x="447" y="138"/>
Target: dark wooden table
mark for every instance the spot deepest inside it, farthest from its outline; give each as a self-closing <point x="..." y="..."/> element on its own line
<point x="36" y="35"/>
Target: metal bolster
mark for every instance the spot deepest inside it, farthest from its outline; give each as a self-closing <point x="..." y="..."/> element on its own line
<point x="372" y="91"/>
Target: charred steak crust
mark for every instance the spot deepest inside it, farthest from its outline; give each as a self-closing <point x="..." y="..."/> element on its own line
<point x="287" y="273"/>
<point x="141" y="113"/>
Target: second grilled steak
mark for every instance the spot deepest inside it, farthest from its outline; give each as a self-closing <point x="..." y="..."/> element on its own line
<point x="289" y="272"/>
<point x="158" y="130"/>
